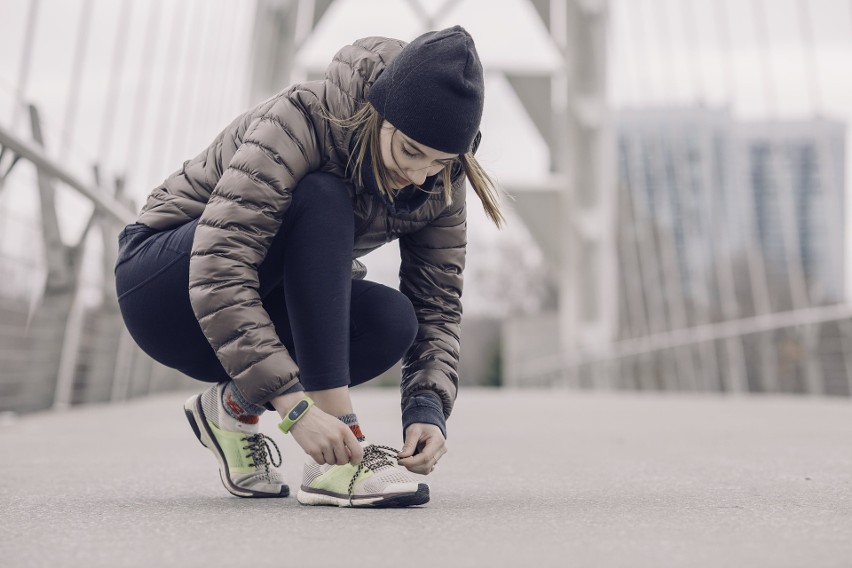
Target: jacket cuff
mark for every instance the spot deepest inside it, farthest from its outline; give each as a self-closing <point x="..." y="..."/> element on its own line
<point x="424" y="408"/>
<point x="297" y="386"/>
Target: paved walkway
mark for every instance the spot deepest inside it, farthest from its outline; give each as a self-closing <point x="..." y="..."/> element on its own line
<point x="533" y="478"/>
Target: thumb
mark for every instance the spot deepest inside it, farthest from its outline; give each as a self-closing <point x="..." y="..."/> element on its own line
<point x="411" y="439"/>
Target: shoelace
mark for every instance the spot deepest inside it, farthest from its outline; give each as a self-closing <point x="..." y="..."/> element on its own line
<point x="375" y="457"/>
<point x="261" y="453"/>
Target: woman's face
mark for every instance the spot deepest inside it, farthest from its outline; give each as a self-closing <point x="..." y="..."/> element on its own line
<point x="408" y="162"/>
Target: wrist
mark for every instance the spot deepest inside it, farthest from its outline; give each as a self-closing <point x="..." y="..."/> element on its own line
<point x="424" y="408"/>
<point x="296" y="413"/>
<point x="285" y="402"/>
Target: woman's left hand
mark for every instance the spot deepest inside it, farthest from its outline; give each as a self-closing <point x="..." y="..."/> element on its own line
<point x="424" y="447"/>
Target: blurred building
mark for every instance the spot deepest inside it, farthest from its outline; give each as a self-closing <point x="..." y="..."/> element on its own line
<point x="676" y="193"/>
<point x="730" y="251"/>
<point x="722" y="219"/>
<point x="795" y="171"/>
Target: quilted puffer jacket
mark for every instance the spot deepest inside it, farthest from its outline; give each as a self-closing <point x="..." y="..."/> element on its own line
<point x="241" y="185"/>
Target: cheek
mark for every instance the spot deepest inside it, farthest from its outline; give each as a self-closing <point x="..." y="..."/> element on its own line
<point x="434" y="170"/>
<point x="387" y="155"/>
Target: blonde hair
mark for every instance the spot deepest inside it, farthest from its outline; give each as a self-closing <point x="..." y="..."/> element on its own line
<point x="367" y="125"/>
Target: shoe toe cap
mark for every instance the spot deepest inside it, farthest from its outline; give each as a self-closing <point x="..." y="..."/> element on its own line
<point x="408" y="487"/>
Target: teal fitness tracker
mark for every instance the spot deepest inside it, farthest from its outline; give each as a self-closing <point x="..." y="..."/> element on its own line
<point x="295" y="414"/>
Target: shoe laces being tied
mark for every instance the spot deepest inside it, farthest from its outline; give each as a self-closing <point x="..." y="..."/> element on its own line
<point x="375" y="457"/>
<point x="261" y="453"/>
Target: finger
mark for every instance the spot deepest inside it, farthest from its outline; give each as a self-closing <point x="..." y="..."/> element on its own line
<point x="414" y="467"/>
<point x="419" y="463"/>
<point x="353" y="447"/>
<point x="426" y="458"/>
<point x="442" y="451"/>
<point x="424" y="469"/>
<point x="411" y="439"/>
<point x="341" y="453"/>
<point x="433" y="448"/>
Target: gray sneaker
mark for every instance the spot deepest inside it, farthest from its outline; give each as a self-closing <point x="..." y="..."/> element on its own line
<point x="245" y="458"/>
<point x="379" y="481"/>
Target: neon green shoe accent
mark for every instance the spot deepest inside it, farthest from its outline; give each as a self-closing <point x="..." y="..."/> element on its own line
<point x="338" y="478"/>
<point x="378" y="482"/>
<point x="235" y="449"/>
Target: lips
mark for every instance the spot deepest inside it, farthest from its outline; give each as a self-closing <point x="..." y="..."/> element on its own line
<point x="399" y="180"/>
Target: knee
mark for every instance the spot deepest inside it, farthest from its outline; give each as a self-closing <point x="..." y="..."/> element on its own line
<point x="394" y="323"/>
<point x="402" y="327"/>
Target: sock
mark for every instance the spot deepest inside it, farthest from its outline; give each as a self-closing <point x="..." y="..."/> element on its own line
<point x="352" y="421"/>
<point x="238" y="407"/>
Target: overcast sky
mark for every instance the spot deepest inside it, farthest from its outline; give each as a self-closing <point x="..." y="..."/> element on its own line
<point x="176" y="89"/>
<point x="750" y="55"/>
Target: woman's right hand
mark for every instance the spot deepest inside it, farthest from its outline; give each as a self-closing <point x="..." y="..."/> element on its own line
<point x="326" y="439"/>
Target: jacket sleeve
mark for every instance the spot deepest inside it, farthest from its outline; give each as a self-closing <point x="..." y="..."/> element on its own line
<point x="431" y="276"/>
<point x="234" y="232"/>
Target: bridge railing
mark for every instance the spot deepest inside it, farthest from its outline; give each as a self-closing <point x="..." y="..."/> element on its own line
<point x="803" y="352"/>
<point x="62" y="340"/>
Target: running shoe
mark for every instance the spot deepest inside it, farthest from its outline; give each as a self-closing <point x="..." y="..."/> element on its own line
<point x="246" y="465"/>
<point x="378" y="481"/>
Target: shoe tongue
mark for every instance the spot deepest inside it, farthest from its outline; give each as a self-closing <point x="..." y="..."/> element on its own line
<point x="247" y="428"/>
<point x="236" y="425"/>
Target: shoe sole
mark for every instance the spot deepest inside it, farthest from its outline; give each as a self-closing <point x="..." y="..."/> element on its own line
<point x="198" y="423"/>
<point x="309" y="496"/>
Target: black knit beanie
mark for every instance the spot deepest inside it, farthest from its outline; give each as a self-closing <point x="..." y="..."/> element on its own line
<point x="433" y="90"/>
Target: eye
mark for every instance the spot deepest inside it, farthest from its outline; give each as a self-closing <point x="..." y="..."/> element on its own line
<point x="408" y="152"/>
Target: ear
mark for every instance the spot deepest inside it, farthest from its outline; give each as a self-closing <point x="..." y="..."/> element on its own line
<point x="476" y="139"/>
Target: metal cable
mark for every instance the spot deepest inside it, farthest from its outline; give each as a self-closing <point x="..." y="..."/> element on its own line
<point x="152" y="170"/>
<point x="108" y="121"/>
<point x="77" y="69"/>
<point x="746" y="215"/>
<point x="240" y="85"/>
<point x="175" y="86"/>
<point x="197" y="94"/>
<point x="665" y="41"/>
<point x="642" y="48"/>
<point x="215" y="112"/>
<point x="621" y="51"/>
<point x="762" y="38"/>
<point x="809" y="56"/>
<point x="691" y="28"/>
<point x="723" y="33"/>
<point x="142" y="99"/>
<point x="25" y="63"/>
<point x="827" y="165"/>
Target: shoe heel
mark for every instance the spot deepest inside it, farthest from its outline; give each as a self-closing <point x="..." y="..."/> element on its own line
<point x="190" y="417"/>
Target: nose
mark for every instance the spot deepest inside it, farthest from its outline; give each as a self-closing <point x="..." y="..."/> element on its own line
<point x="417" y="177"/>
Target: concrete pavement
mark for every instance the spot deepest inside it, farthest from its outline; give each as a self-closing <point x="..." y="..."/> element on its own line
<point x="533" y="478"/>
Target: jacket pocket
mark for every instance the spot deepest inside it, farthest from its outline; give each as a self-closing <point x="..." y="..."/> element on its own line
<point x="131" y="240"/>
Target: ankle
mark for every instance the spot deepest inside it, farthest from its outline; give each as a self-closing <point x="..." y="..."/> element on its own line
<point x="334" y="401"/>
<point x="351" y="420"/>
<point x="238" y="407"/>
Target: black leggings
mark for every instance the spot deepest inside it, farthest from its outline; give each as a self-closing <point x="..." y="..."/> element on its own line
<point x="340" y="331"/>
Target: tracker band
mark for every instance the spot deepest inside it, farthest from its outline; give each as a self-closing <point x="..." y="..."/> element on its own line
<point x="295" y="414"/>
